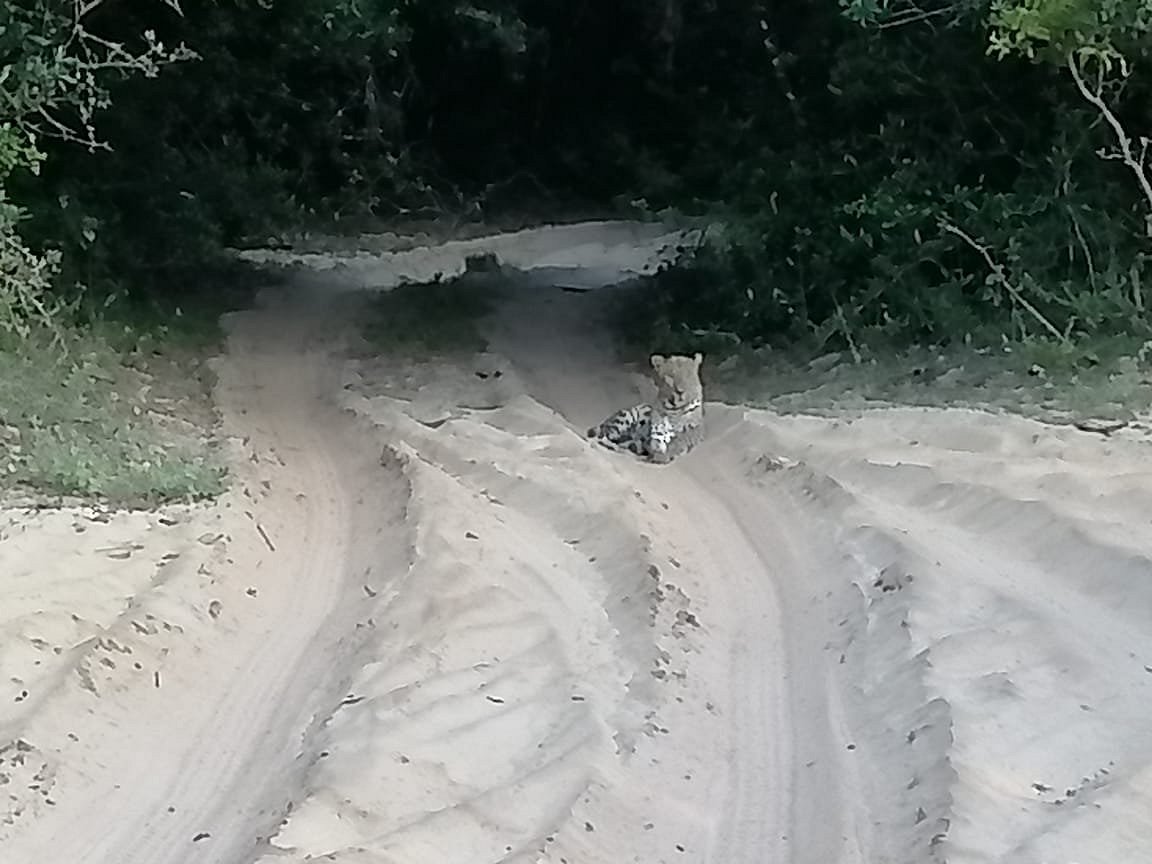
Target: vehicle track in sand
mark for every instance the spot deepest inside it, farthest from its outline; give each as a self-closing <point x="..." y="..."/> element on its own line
<point x="281" y="707"/>
<point x="193" y="757"/>
<point x="439" y="626"/>
<point x="749" y="560"/>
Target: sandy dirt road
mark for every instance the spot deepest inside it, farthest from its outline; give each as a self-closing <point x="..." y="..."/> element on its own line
<point x="174" y="722"/>
<point x="432" y="623"/>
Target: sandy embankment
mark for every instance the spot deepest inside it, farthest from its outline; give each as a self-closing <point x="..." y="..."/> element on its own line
<point x="908" y="636"/>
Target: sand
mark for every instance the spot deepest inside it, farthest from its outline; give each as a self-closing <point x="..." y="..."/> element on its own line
<point x="432" y="623"/>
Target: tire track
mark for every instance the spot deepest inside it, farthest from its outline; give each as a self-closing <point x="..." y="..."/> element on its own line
<point x="201" y="761"/>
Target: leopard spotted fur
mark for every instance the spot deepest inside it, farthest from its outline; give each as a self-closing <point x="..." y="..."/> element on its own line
<point x="669" y="426"/>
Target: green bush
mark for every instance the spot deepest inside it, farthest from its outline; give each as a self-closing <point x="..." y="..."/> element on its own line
<point x="941" y="195"/>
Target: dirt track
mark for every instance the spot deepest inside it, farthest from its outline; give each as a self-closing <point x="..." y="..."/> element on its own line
<point x="451" y="630"/>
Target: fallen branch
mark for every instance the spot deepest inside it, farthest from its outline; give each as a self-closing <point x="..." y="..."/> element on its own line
<point x="265" y="538"/>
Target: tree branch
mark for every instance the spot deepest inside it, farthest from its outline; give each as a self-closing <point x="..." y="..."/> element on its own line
<point x="1001" y="279"/>
<point x="1126" y="155"/>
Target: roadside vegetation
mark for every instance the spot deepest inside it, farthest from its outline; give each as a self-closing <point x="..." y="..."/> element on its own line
<point x="931" y="186"/>
<point x="91" y="426"/>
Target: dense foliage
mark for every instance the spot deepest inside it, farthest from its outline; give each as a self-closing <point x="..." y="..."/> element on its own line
<point x="883" y="170"/>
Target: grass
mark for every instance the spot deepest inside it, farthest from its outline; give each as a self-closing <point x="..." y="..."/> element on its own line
<point x="1037" y="381"/>
<point x="183" y="319"/>
<point x="86" y="426"/>
<point x="1107" y="378"/>
<point x="432" y="319"/>
<point x="124" y="414"/>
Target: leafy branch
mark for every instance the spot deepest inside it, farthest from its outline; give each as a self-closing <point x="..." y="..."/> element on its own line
<point x="1136" y="162"/>
<point x="57" y="84"/>
<point x="998" y="276"/>
<point x="52" y="85"/>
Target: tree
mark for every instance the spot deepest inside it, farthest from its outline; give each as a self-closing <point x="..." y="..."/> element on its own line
<point x="53" y="83"/>
<point x="1097" y="42"/>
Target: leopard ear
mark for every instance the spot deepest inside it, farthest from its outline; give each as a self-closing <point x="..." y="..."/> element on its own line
<point x="657" y="360"/>
<point x="699" y="358"/>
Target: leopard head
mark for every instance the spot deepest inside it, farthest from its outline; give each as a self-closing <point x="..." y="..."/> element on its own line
<point x="677" y="378"/>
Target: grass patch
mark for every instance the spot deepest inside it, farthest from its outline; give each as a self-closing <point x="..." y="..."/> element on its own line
<point x="92" y="427"/>
<point x="124" y="414"/>
<point x="1061" y="391"/>
<point x="185" y="318"/>
<point x="432" y="318"/>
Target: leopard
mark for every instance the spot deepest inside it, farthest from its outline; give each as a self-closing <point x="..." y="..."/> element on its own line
<point x="669" y="426"/>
